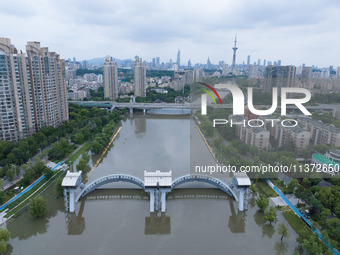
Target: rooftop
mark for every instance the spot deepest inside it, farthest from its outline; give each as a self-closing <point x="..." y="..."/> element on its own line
<point x="320" y="124"/>
<point x="242" y="179"/>
<point x="158" y="178"/>
<point x="71" y="178"/>
<point x="323" y="160"/>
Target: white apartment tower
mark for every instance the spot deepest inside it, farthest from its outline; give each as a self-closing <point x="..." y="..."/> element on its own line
<point x="33" y="91"/>
<point x="140" y="78"/>
<point x="110" y="79"/>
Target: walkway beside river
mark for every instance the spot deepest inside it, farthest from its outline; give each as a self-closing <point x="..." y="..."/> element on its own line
<point x="297" y="212"/>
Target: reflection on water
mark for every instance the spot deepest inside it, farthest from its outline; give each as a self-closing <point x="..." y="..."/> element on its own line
<point x="157" y="225"/>
<point x="267" y="229"/>
<point x="281" y="248"/>
<point x="76" y="222"/>
<point x="237" y="221"/>
<point x="140" y="124"/>
<point x="197" y="221"/>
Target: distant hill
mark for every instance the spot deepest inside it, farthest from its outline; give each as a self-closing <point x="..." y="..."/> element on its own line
<point x="100" y="61"/>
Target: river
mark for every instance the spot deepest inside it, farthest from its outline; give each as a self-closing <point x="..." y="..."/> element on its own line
<point x="117" y="221"/>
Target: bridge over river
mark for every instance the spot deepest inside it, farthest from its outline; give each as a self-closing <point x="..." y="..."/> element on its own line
<point x="156" y="184"/>
<point x="196" y="105"/>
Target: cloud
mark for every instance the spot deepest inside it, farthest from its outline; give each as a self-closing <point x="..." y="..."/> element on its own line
<point x="294" y="31"/>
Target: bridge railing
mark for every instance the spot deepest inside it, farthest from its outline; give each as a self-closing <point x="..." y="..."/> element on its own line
<point x="110" y="179"/>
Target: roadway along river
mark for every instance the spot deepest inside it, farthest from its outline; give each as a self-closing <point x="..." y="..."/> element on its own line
<point x="197" y="221"/>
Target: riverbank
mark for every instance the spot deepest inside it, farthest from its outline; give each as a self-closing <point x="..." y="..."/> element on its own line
<point x="103" y="153"/>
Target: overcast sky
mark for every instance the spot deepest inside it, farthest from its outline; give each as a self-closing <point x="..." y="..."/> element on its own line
<point x="295" y="31"/>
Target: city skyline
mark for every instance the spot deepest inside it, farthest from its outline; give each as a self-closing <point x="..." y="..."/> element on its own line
<point x="281" y="30"/>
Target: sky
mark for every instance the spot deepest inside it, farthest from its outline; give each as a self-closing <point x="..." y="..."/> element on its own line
<point x="303" y="31"/>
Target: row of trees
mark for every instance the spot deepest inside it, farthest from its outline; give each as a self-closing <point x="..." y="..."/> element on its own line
<point x="5" y="235"/>
<point x="83" y="125"/>
<point x="101" y="139"/>
<point x="323" y="203"/>
<point x="29" y="176"/>
<point x="152" y="95"/>
<point x="270" y="213"/>
<point x="327" y="118"/>
<point x="329" y="98"/>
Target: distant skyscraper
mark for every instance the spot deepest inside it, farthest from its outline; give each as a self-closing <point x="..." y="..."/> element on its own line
<point x="189" y="63"/>
<point x="179" y="58"/>
<point x="279" y="62"/>
<point x="248" y="60"/>
<point x="153" y="62"/>
<point x="259" y="62"/>
<point x="306" y="74"/>
<point x="264" y="62"/>
<point x="208" y="63"/>
<point x="110" y="79"/>
<point x="33" y="91"/>
<point x="279" y="76"/>
<point x="158" y="62"/>
<point x="338" y="72"/>
<point x="234" y="57"/>
<point x="140" y="78"/>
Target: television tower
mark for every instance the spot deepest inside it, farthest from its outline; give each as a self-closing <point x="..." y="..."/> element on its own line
<point x="234" y="56"/>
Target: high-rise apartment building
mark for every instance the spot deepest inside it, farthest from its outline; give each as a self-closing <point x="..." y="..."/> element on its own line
<point x="140" y="78"/>
<point x="110" y="79"/>
<point x="158" y="62"/>
<point x="306" y="74"/>
<point x="278" y="76"/>
<point x="33" y="92"/>
<point x="338" y="72"/>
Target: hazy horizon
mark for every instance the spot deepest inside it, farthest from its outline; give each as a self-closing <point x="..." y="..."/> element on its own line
<point x="294" y="31"/>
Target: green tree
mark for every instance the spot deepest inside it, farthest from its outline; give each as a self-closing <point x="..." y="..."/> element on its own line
<point x="96" y="147"/>
<point x="306" y="182"/>
<point x="48" y="173"/>
<point x="78" y="138"/>
<point x="81" y="166"/>
<point x="316" y="207"/>
<point x="24" y="167"/>
<point x="312" y="245"/>
<point x="291" y="186"/>
<point x="5" y="234"/>
<point x="3" y="246"/>
<point x="270" y="214"/>
<point x="254" y="189"/>
<point x="17" y="170"/>
<point x="58" y="188"/>
<point x="37" y="207"/>
<point x="11" y="173"/>
<point x="283" y="230"/>
<point x="86" y="156"/>
<point x="262" y="202"/>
